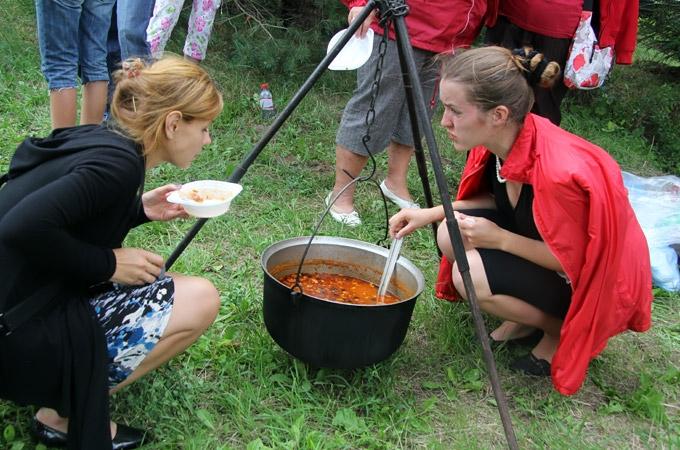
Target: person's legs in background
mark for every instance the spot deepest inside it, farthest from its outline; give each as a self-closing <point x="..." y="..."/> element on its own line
<point x="200" y="26"/>
<point x="391" y="128"/>
<point x="164" y="18"/>
<point x="113" y="57"/>
<point x="133" y="20"/>
<point x="346" y="162"/>
<point x="127" y="36"/>
<point x="57" y="24"/>
<point x="95" y="22"/>
<point x="398" y="161"/>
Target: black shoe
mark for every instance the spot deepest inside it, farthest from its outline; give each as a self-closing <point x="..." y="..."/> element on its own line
<point x="530" y="340"/>
<point x="126" y="437"/>
<point x="530" y="365"/>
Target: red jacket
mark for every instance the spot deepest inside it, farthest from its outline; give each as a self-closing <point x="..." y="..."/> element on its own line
<point x="618" y="27"/>
<point x="440" y="26"/>
<point x="582" y="212"/>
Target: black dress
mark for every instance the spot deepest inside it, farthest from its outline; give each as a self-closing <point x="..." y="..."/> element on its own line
<point x="511" y="275"/>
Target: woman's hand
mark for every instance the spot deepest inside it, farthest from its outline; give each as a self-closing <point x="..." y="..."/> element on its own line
<point x="407" y="221"/>
<point x="479" y="232"/>
<point x="157" y="207"/>
<point x="353" y="13"/>
<point x="135" y="266"/>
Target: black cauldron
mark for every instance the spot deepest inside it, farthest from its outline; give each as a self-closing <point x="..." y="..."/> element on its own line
<point x="333" y="334"/>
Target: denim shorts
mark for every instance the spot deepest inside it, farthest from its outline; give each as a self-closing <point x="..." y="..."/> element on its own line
<point x="392" y="119"/>
<point x="72" y="36"/>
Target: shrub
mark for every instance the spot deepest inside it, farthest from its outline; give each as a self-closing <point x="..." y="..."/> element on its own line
<point x="660" y="26"/>
<point x="282" y="37"/>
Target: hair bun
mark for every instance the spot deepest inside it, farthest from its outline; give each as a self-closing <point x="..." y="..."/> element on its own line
<point x="535" y="68"/>
<point x="132" y="67"/>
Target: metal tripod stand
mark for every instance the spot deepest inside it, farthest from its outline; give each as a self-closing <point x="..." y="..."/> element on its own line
<point x="397" y="9"/>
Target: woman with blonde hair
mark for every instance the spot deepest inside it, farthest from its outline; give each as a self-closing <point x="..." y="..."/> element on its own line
<point x="553" y="245"/>
<point x="107" y="314"/>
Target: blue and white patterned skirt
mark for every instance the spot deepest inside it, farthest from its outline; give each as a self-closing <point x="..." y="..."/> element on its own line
<point x="134" y="319"/>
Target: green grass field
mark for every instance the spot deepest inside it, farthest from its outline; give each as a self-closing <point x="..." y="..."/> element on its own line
<point x="235" y="388"/>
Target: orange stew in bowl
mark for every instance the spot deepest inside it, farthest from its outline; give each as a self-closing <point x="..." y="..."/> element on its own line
<point x="340" y="288"/>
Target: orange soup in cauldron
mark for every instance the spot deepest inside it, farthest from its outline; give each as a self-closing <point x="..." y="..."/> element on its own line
<point x="340" y="288"/>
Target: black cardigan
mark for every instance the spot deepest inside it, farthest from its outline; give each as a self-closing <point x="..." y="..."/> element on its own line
<point x="71" y="198"/>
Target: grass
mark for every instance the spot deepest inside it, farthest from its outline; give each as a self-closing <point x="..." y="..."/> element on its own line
<point x="235" y="388"/>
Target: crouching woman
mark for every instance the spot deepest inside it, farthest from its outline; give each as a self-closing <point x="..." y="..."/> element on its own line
<point x="85" y="316"/>
<point x="553" y="245"/>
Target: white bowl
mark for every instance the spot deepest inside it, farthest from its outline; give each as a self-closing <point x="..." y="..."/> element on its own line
<point x="206" y="198"/>
<point x="355" y="53"/>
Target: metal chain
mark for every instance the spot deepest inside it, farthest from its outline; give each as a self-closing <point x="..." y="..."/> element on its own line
<point x="385" y="22"/>
<point x="375" y="89"/>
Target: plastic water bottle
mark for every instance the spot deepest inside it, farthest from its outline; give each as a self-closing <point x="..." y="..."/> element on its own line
<point x="266" y="102"/>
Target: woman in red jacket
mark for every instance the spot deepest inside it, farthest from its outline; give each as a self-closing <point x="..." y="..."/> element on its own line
<point x="552" y="241"/>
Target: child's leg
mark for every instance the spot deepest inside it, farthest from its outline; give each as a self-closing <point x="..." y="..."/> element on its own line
<point x="200" y="25"/>
<point x="165" y="16"/>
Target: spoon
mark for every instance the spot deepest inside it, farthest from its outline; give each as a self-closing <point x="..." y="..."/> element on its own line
<point x="390" y="263"/>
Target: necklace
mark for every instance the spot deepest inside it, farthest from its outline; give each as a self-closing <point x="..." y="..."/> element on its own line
<point x="498" y="171"/>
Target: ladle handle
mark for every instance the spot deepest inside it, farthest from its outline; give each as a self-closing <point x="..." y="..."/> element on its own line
<point x="390" y="263"/>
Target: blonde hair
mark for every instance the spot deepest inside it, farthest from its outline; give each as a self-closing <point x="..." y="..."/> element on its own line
<point x="146" y="94"/>
<point x="496" y="76"/>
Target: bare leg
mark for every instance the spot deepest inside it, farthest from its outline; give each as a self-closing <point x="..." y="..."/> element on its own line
<point x="63" y="107"/>
<point x="510" y="308"/>
<point x="398" y="160"/>
<point x="345" y="160"/>
<point x="93" y="102"/>
<point x="195" y="307"/>
<point x="511" y="330"/>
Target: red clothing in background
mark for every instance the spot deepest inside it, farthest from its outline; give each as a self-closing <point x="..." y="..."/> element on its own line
<point x="440" y="26"/>
<point x="618" y="27"/>
<point x="552" y="18"/>
<point x="581" y="210"/>
<point x="558" y="19"/>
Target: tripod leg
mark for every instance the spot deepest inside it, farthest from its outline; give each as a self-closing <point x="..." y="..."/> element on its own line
<point x="417" y="141"/>
<point x="454" y="233"/>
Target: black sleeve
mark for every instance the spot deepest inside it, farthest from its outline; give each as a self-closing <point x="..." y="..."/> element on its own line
<point x="38" y="225"/>
<point x="141" y="216"/>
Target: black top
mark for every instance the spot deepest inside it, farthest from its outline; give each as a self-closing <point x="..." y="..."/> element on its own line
<point x="71" y="198"/>
<point x="520" y="219"/>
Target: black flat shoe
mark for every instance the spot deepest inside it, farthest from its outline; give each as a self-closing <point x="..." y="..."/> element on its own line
<point x="530" y="365"/>
<point x="530" y="340"/>
<point x="126" y="437"/>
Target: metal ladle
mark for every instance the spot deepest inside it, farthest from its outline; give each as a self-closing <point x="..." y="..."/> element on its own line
<point x="390" y="264"/>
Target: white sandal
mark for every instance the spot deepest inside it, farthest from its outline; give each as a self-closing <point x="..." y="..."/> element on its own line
<point x="394" y="198"/>
<point x="351" y="219"/>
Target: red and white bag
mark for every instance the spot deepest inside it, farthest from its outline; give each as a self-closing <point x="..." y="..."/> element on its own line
<point x="588" y="64"/>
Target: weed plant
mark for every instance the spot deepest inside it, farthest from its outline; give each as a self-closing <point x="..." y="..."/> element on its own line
<point x="235" y="388"/>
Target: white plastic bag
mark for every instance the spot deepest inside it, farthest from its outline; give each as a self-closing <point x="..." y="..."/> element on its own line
<point x="588" y="64"/>
<point x="656" y="202"/>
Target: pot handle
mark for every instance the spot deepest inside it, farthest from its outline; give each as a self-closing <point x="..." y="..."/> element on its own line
<point x="296" y="295"/>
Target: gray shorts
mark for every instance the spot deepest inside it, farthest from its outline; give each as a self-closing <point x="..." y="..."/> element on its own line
<point x="392" y="121"/>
